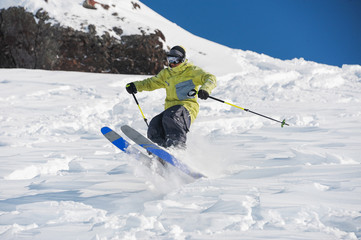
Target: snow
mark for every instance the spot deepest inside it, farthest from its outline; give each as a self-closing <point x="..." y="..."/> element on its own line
<point x="61" y="179"/>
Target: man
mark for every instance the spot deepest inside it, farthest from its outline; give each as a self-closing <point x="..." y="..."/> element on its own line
<point x="181" y="81"/>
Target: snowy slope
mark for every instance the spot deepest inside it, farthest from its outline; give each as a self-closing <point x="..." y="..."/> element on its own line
<point x="60" y="178"/>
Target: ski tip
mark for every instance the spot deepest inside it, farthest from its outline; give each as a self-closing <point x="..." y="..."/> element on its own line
<point x="125" y="128"/>
<point x="105" y="130"/>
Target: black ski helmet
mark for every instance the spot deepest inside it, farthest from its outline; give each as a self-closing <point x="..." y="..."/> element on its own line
<point x="177" y="51"/>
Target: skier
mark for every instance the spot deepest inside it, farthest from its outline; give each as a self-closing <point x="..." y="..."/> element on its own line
<point x="181" y="80"/>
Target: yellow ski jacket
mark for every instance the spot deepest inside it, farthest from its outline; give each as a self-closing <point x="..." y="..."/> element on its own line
<point x="178" y="82"/>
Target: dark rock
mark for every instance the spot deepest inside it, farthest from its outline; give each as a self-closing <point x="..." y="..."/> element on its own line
<point x="17" y="37"/>
<point x="118" y="31"/>
<point x="92" y="29"/>
<point x="26" y="43"/>
<point x="42" y="15"/>
<point x="135" y="5"/>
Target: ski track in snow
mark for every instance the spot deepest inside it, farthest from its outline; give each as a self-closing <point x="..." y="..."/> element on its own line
<point x="298" y="182"/>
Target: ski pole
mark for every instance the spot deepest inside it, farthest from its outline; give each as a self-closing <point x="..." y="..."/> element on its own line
<point x="136" y="101"/>
<point x="247" y="110"/>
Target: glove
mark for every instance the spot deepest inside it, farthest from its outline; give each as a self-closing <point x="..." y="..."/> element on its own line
<point x="203" y="94"/>
<point x="131" y="88"/>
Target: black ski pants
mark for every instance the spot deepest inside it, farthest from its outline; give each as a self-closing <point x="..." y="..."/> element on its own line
<point x="170" y="127"/>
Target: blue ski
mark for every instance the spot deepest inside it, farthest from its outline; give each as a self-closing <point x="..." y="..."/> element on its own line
<point x="115" y="138"/>
<point x="158" y="151"/>
<point x="125" y="146"/>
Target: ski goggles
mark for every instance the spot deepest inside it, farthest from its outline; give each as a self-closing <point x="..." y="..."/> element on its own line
<point x="172" y="59"/>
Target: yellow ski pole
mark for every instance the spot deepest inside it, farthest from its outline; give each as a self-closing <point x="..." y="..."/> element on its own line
<point x="247" y="110"/>
<point x="136" y="101"/>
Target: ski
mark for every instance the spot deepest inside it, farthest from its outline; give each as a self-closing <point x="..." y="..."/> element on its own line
<point x="115" y="138"/>
<point x="125" y="146"/>
<point x="151" y="147"/>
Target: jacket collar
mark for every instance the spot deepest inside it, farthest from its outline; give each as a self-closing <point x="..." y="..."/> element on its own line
<point x="181" y="67"/>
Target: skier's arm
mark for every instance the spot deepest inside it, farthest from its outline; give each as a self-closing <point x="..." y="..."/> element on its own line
<point x="209" y="82"/>
<point x="152" y="83"/>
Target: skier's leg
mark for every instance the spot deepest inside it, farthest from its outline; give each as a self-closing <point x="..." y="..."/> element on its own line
<point x="176" y="123"/>
<point x="155" y="130"/>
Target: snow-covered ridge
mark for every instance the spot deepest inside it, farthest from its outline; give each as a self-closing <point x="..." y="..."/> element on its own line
<point x="121" y="13"/>
<point x="133" y="20"/>
<point x="45" y="32"/>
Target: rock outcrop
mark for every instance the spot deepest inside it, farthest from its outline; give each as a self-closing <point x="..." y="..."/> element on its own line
<point x="30" y="41"/>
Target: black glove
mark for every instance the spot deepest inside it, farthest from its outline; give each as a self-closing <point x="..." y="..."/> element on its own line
<point x="131" y="88"/>
<point x="203" y="94"/>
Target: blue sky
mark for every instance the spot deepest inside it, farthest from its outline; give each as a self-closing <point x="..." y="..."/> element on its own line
<point x="324" y="31"/>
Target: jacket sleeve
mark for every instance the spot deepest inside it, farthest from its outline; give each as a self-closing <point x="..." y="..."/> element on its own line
<point x="209" y="82"/>
<point x="152" y="83"/>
